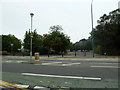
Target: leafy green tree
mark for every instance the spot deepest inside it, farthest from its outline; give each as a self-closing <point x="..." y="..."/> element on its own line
<point x="10" y="42"/>
<point x="107" y="34"/>
<point x="88" y="44"/>
<point x="37" y="42"/>
<point x="56" y="40"/>
<point x="83" y="44"/>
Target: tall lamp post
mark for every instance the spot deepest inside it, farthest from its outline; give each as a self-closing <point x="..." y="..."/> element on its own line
<point x="31" y="36"/>
<point x="92" y="28"/>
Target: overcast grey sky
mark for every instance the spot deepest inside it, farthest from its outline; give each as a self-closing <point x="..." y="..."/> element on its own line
<point x="73" y="15"/>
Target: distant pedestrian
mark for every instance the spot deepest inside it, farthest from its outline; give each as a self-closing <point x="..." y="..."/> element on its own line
<point x="84" y="52"/>
<point x="75" y="52"/>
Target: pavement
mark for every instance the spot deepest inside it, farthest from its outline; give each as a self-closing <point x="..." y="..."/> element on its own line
<point x="67" y="57"/>
<point x="59" y="58"/>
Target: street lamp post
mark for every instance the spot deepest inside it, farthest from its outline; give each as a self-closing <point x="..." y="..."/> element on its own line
<point x="31" y="36"/>
<point x="92" y="28"/>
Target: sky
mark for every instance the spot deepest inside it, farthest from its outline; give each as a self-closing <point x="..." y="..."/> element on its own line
<point x="73" y="15"/>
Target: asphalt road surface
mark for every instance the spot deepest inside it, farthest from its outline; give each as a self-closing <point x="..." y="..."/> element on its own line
<point x="109" y="71"/>
<point x="105" y="73"/>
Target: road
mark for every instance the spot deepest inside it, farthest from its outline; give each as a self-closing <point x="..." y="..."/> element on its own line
<point x="97" y="74"/>
<point x="82" y="69"/>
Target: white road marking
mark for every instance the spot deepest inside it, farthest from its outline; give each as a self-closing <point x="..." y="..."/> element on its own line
<point x="106" y="66"/>
<point x="13" y="61"/>
<point x="38" y="87"/>
<point x="51" y="63"/>
<point x="104" y="63"/>
<point x="58" y="64"/>
<point x="58" y="76"/>
<point x="70" y="64"/>
<point x="8" y="61"/>
<point x="66" y="64"/>
<point x="37" y="64"/>
<point x="24" y="86"/>
<point x="19" y="61"/>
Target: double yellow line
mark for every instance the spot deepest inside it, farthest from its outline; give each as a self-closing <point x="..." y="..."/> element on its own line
<point x="9" y="85"/>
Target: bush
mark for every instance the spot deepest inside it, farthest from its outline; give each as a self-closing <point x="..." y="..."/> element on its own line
<point x="5" y="53"/>
<point x="98" y="49"/>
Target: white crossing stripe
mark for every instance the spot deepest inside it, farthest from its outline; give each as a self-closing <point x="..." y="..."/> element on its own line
<point x="70" y="64"/>
<point x="8" y="61"/>
<point x="105" y="63"/>
<point x="13" y="61"/>
<point x="59" y="64"/>
<point x="51" y="63"/>
<point x="58" y="76"/>
<point x="106" y="66"/>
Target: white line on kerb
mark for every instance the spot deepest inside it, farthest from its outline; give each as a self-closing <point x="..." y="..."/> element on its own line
<point x="105" y="66"/>
<point x="72" y="77"/>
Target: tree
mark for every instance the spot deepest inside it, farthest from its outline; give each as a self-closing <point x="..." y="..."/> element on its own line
<point x="83" y="44"/>
<point x="56" y="40"/>
<point x="8" y="40"/>
<point x="107" y="34"/>
<point x="37" y="42"/>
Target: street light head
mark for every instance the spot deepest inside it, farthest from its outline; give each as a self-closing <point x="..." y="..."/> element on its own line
<point x="31" y="14"/>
